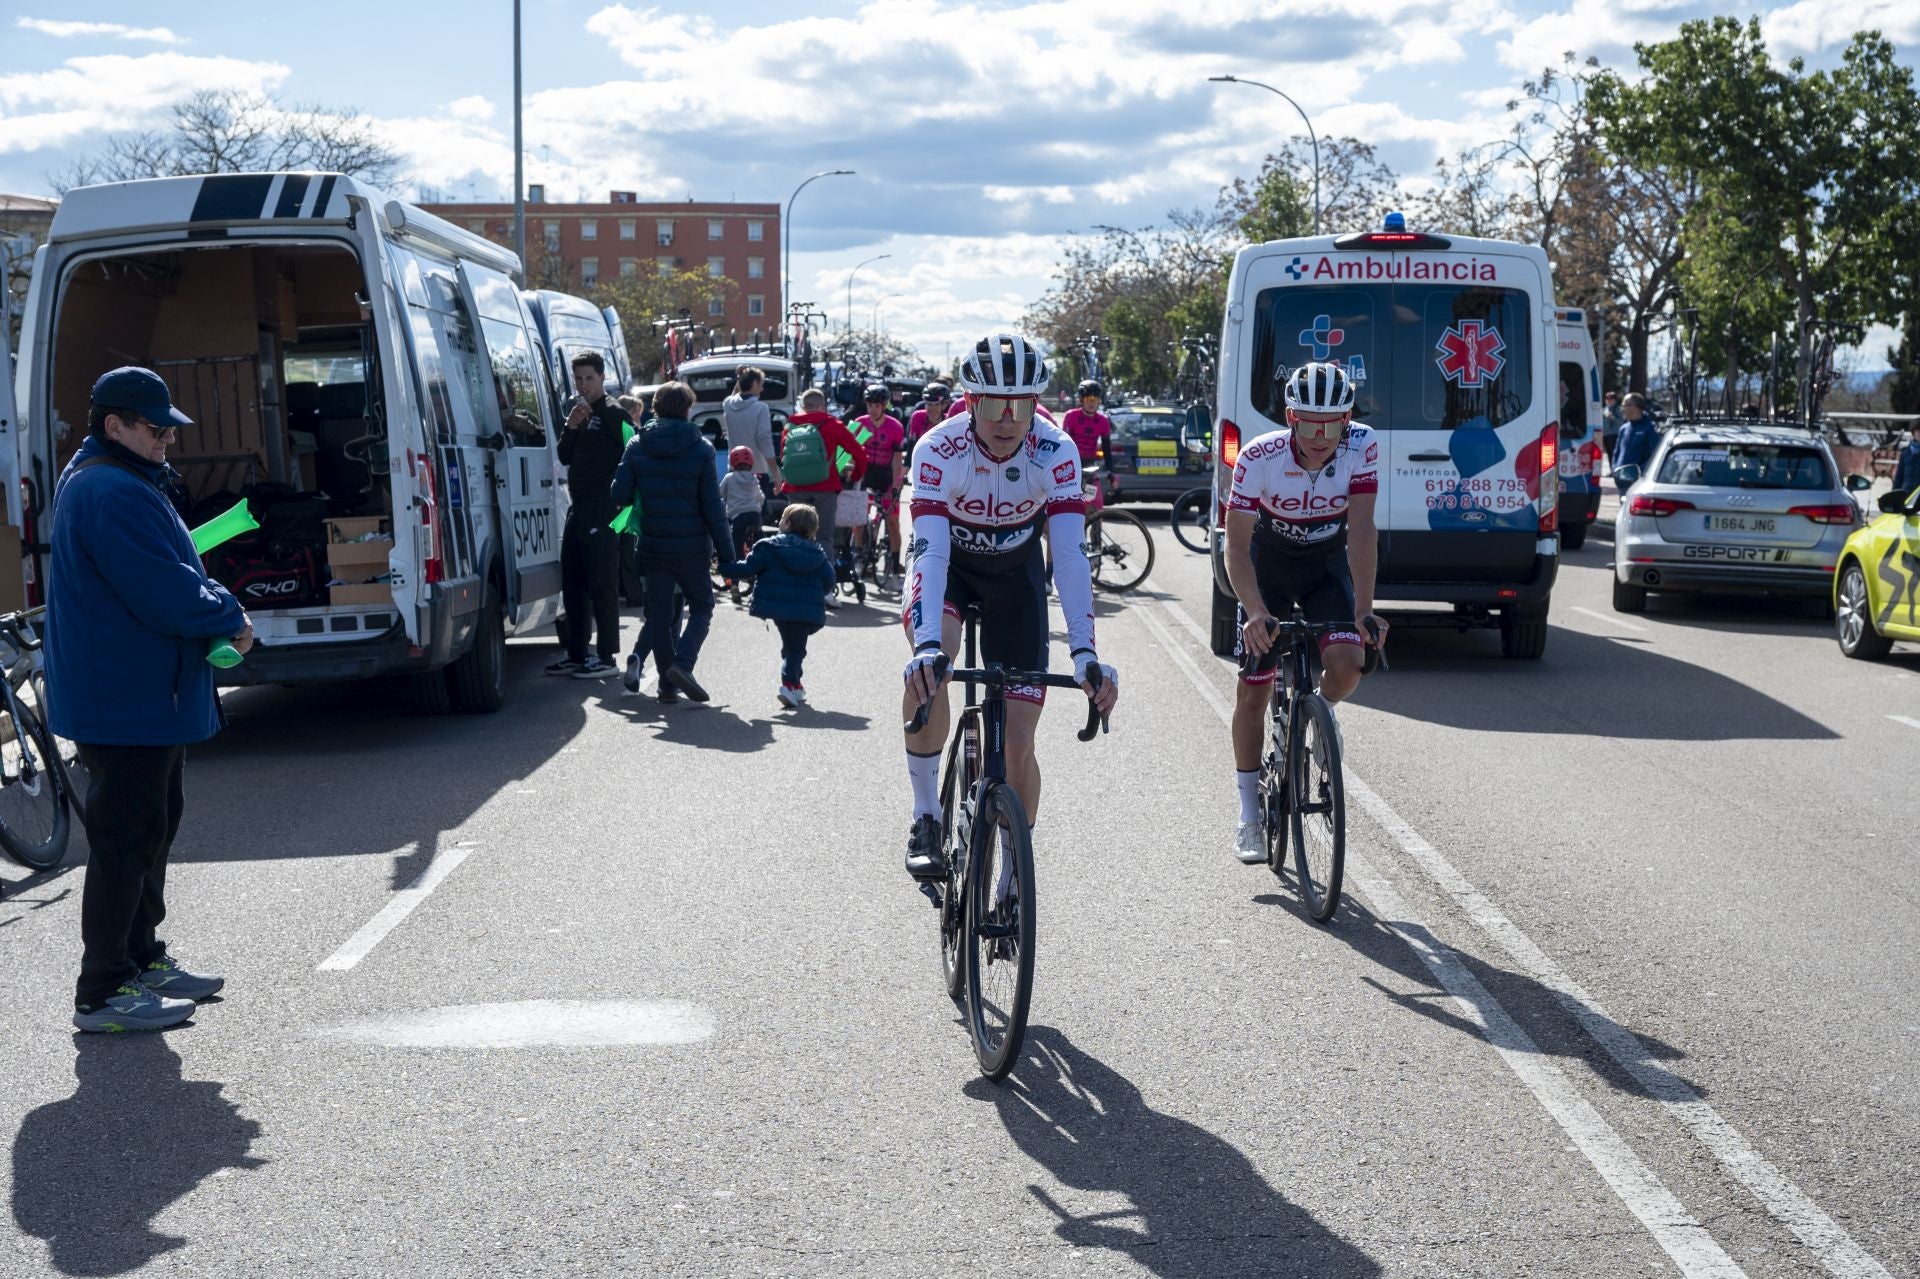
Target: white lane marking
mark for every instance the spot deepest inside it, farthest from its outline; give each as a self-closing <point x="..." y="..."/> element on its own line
<point x="536" y="1023"/>
<point x="374" y="931"/>
<point x="1617" y="621"/>
<point x="1837" y="1251"/>
<point x="1904" y="719"/>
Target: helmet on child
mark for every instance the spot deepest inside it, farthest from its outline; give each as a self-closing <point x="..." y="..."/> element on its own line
<point x="738" y="456"/>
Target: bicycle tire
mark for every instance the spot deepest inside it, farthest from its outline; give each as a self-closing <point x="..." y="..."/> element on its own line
<point x="34" y="826"/>
<point x="68" y="753"/>
<point x="1119" y="550"/>
<point x="1275" y="792"/>
<point x="1319" y="803"/>
<point x="1192" y="521"/>
<point x="1004" y="955"/>
<point x="956" y="791"/>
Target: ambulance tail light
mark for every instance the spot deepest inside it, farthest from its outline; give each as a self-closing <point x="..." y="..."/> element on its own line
<point x="432" y="570"/>
<point x="1549" y="478"/>
<point x="1550" y="448"/>
<point x="1229" y="443"/>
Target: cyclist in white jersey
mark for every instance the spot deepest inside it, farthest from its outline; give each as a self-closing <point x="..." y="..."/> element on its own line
<point x="984" y="484"/>
<point x="1300" y="530"/>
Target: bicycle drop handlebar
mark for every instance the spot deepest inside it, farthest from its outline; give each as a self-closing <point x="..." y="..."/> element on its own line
<point x="997" y="677"/>
<point x="1376" y="653"/>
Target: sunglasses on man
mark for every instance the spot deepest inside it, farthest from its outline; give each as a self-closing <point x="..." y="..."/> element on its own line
<point x="992" y="408"/>
<point x="1319" y="427"/>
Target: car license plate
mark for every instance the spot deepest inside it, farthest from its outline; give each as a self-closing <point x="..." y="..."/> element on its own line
<point x="1742" y="524"/>
<point x="1160" y="465"/>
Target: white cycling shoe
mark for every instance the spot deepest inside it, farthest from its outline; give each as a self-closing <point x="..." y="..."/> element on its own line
<point x="1250" y="843"/>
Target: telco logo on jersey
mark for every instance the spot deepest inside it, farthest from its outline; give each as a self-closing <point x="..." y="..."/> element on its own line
<point x="1311" y="504"/>
<point x="989" y="509"/>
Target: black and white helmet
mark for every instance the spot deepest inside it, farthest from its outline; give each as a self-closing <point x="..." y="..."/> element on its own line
<point x="1320" y="388"/>
<point x="1004" y="364"/>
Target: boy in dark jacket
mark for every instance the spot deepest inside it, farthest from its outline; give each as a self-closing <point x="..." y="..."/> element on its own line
<point x="795" y="577"/>
<point x="669" y="469"/>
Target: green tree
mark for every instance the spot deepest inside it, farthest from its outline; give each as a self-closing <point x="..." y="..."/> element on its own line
<point x="647" y="301"/>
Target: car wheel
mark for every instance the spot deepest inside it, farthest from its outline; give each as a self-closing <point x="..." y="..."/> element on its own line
<point x="1628" y="598"/>
<point x="1523" y="631"/>
<point x="1573" y="535"/>
<point x="1853" y="618"/>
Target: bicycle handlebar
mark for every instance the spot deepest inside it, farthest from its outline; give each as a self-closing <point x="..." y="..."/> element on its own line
<point x="998" y="677"/>
<point x="17" y="627"/>
<point x="1376" y="654"/>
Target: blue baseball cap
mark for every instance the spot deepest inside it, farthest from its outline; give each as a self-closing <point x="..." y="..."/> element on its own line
<point x="141" y="390"/>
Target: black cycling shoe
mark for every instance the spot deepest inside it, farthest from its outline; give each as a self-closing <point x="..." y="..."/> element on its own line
<point x="925" y="858"/>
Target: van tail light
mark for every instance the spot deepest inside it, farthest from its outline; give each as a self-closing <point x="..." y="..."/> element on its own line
<point x="1548" y="478"/>
<point x="1550" y="448"/>
<point x="1229" y="443"/>
<point x="29" y="537"/>
<point x="1839" y="513"/>
<point x="431" y="570"/>
<point x="1656" y="506"/>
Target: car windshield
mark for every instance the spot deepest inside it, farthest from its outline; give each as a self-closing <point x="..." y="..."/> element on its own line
<point x="715" y="385"/>
<point x="1128" y="426"/>
<point x="1761" y="466"/>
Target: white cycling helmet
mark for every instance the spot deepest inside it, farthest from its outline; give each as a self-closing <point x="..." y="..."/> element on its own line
<point x="1320" y="388"/>
<point x="1004" y="364"/>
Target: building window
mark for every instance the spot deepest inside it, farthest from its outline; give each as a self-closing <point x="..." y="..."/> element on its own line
<point x="665" y="229"/>
<point x="756" y="304"/>
<point x="716" y="306"/>
<point x="589" y="229"/>
<point x="756" y="231"/>
<point x="716" y="229"/>
<point x="626" y="228"/>
<point x="756" y="268"/>
<point x="552" y="232"/>
<point x="589" y="272"/>
<point x="629" y="267"/>
<point x="665" y="265"/>
<point x="716" y="267"/>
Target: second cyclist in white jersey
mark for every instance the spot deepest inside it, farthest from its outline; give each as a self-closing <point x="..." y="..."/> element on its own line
<point x="987" y="485"/>
<point x="1300" y="531"/>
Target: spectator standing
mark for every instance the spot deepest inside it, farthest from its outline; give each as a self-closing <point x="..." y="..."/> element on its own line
<point x="1906" y="465"/>
<point x="1638" y="434"/>
<point x="596" y="430"/>
<point x="793" y="579"/>
<point x="130" y="612"/>
<point x="815" y="438"/>
<point x="1610" y="421"/>
<point x="668" y="470"/>
<point x="750" y="422"/>
<point x="740" y="494"/>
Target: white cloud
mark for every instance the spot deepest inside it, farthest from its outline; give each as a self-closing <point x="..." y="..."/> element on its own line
<point x="1814" y="25"/>
<point x="112" y="30"/>
<point x="51" y="109"/>
<point x="475" y="108"/>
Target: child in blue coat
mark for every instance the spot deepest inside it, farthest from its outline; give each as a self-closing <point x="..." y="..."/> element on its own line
<point x="794" y="578"/>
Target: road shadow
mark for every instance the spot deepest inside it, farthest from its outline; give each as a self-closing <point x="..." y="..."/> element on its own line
<point x="1745" y="614"/>
<point x="18" y="896"/>
<point x="1198" y="1208"/>
<point x="1593" y="685"/>
<point x="92" y="1172"/>
<point x="1533" y="1006"/>
<point x="393" y="779"/>
<point x="810" y="717"/>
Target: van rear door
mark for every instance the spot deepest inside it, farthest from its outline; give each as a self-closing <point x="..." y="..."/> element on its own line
<point x="622" y="367"/>
<point x="1580" y="410"/>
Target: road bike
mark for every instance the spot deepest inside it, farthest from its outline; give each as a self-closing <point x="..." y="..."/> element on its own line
<point x="876" y="556"/>
<point x="34" y="790"/>
<point x="1192" y="519"/>
<point x="1118" y="546"/>
<point x="1302" y="787"/>
<point x="986" y="901"/>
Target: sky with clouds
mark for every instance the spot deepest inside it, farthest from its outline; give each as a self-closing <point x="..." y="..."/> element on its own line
<point x="981" y="132"/>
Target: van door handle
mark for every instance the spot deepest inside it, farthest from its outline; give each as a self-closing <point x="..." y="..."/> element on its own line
<point x="547" y="483"/>
<point x="1430" y="457"/>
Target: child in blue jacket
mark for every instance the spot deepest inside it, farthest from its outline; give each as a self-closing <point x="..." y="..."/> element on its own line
<point x="794" y="577"/>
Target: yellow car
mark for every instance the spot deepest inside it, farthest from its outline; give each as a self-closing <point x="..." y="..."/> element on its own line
<point x="1876" y="588"/>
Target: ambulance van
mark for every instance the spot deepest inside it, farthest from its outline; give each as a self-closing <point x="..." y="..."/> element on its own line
<point x="1582" y="421"/>
<point x="1450" y="342"/>
<point x="365" y="375"/>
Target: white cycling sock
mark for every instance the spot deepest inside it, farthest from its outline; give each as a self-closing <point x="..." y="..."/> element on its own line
<point x="1249" y="784"/>
<point x="925" y="772"/>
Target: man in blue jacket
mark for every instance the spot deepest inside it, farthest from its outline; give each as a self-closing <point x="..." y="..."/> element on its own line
<point x="668" y="469"/>
<point x="1638" y="436"/>
<point x="130" y="613"/>
<point x="1906" y="465"/>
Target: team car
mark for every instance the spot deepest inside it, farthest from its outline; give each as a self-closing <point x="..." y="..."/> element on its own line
<point x="1875" y="589"/>
<point x="1737" y="507"/>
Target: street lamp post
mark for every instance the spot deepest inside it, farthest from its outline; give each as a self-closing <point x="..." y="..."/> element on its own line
<point x="850" y="275"/>
<point x="1311" y="135"/>
<point x="519" y="156"/>
<point x="786" y="231"/>
<point x="876" y="317"/>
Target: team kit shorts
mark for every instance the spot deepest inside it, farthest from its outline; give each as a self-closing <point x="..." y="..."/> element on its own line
<point x="879" y="476"/>
<point x="1322" y="585"/>
<point x="1013" y="617"/>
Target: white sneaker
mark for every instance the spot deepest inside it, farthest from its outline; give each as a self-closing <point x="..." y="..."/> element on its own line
<point x="1250" y="843"/>
<point x="790" y="697"/>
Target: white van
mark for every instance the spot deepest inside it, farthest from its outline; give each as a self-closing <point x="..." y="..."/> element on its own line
<point x="571" y="326"/>
<point x="333" y="343"/>
<point x="1450" y="341"/>
<point x="1582" y="422"/>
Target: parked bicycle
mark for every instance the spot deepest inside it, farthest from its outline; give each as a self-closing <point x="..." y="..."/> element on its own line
<point x="1119" y="548"/>
<point x="34" y="790"/>
<point x="1192" y="519"/>
<point x="986" y="903"/>
<point x="1302" y="787"/>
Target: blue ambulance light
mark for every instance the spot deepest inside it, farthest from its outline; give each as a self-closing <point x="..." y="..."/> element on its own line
<point x="1394" y="221"/>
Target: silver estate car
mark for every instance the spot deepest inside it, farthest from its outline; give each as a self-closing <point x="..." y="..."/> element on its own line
<point x="1729" y="507"/>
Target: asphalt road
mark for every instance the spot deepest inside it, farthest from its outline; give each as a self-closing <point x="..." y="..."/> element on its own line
<point x="1623" y="984"/>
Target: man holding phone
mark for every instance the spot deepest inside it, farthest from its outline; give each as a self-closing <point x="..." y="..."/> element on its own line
<point x="590" y="449"/>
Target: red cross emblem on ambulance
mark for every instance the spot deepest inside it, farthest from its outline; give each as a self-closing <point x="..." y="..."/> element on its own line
<point x="1470" y="353"/>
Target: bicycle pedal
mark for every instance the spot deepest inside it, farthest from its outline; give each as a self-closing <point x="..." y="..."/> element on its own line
<point x="932" y="892"/>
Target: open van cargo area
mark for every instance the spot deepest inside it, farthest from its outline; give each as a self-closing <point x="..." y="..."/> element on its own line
<point x="267" y="348"/>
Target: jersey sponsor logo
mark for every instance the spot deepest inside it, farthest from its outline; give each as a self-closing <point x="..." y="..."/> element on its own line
<point x="1295" y="475"/>
<point x="1373" y="453"/>
<point x="995" y="509"/>
<point x="991" y="541"/>
<point x="950" y="447"/>
<point x="1063" y="473"/>
<point x="1050" y="446"/>
<point x="1309" y="503"/>
<point x="1013" y="473"/>
<point x="930" y="475"/>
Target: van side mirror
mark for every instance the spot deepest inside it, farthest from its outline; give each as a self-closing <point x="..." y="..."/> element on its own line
<point x="1858" y="484"/>
<point x="1893" y="503"/>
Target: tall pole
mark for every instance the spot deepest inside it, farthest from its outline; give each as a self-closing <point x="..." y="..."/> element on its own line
<point x="519" y="157"/>
<point x="1311" y="135"/>
<point x="786" y="234"/>
<point x="850" y="275"/>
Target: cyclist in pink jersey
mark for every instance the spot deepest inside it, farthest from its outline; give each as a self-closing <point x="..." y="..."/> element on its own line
<point x="886" y="442"/>
<point x="939" y="408"/>
<point x="1089" y="428"/>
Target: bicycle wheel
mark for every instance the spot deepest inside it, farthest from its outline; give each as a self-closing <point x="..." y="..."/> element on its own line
<point x="1319" y="809"/>
<point x="1119" y="549"/>
<point x="956" y="824"/>
<point x="68" y="753"/>
<point x="33" y="790"/>
<point x="1275" y="799"/>
<point x="1192" y="519"/>
<point x="999" y="919"/>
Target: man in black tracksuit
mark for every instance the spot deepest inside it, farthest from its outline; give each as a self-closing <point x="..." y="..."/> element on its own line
<point x="590" y="448"/>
